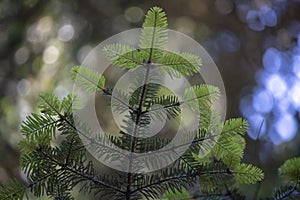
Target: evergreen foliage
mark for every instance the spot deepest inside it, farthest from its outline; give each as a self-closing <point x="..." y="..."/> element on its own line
<point x="54" y="170"/>
<point x="289" y="172"/>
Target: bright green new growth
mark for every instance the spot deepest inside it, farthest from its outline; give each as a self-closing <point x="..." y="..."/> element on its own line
<point x="289" y="172"/>
<point x="55" y="170"/>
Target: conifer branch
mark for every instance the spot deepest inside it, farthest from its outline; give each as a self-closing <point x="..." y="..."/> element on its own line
<point x="124" y="56"/>
<point x="184" y="176"/>
<point x="180" y="145"/>
<point x="83" y="76"/>
<point x="177" y="103"/>
<point x="91" y="140"/>
<point x="65" y="167"/>
<point x="70" y="124"/>
<point x="159" y="182"/>
<point x="153" y="38"/>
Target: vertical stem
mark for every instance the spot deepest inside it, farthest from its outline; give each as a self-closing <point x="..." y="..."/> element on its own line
<point x="140" y="111"/>
<point x="133" y="137"/>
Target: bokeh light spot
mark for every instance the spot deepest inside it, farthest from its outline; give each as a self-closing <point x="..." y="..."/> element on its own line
<point x="276" y="85"/>
<point x="294" y="94"/>
<point x="39" y="31"/>
<point x="185" y="25"/>
<point x="257" y="127"/>
<point x="283" y="106"/>
<point x="229" y="41"/>
<point x="286" y="127"/>
<point x="50" y="55"/>
<point x="272" y="60"/>
<point x="23" y="87"/>
<point x="21" y="55"/>
<point x="253" y="20"/>
<point x="296" y="65"/>
<point x="262" y="101"/>
<point x="246" y="105"/>
<point x="134" y="14"/>
<point x="268" y="16"/>
<point x="224" y="6"/>
<point x="66" y="32"/>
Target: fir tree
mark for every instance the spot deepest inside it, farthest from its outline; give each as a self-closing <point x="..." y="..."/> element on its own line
<point x="54" y="170"/>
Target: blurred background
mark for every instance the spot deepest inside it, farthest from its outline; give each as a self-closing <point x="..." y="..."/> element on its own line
<point x="255" y="44"/>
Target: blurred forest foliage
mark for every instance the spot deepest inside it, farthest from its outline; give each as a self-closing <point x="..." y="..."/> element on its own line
<point x="41" y="40"/>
